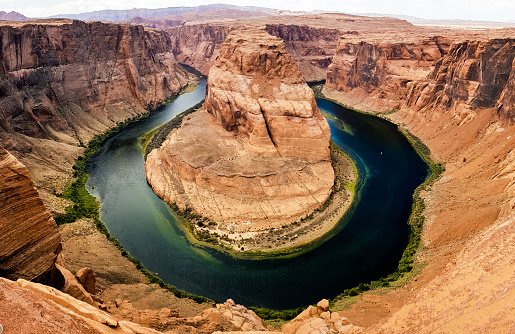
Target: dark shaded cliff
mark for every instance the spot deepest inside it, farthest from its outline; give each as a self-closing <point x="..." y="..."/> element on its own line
<point x="312" y="48"/>
<point x="47" y="70"/>
<point x="198" y="45"/>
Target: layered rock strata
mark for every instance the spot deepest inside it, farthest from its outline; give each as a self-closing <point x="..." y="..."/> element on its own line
<point x="377" y="76"/>
<point x="463" y="111"/>
<point x="64" y="81"/>
<point x="311" y="40"/>
<point x="474" y="75"/>
<point x="29" y="238"/>
<point x="257" y="155"/>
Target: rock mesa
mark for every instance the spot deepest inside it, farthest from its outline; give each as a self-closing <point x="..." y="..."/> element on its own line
<point x="256" y="156"/>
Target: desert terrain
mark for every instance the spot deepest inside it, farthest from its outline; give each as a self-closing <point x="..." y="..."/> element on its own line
<point x="64" y="81"/>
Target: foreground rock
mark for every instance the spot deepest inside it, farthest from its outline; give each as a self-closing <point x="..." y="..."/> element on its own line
<point x="29" y="238"/>
<point x="257" y="155"/>
<point x="318" y="319"/>
<point x="29" y="307"/>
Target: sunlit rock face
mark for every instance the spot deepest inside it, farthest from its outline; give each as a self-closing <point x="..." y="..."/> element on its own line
<point x="29" y="236"/>
<point x="256" y="156"/>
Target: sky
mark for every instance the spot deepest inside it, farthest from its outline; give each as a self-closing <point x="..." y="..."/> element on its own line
<point x="491" y="10"/>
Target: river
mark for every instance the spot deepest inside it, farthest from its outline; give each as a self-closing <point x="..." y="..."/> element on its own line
<point x="366" y="245"/>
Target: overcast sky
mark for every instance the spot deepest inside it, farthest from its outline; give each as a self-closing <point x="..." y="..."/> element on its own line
<point x="491" y="10"/>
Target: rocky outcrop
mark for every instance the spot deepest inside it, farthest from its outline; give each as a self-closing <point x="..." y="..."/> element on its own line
<point x="473" y="75"/>
<point x="87" y="279"/>
<point x="64" y="81"/>
<point x="29" y="307"/>
<point x="378" y="76"/>
<point x="257" y="156"/>
<point x="29" y="236"/>
<point x="318" y="319"/>
<point x="256" y="89"/>
<point x="233" y="317"/>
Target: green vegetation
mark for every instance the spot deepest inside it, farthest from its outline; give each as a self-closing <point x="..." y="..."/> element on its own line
<point x="85" y="206"/>
<point x="267" y="314"/>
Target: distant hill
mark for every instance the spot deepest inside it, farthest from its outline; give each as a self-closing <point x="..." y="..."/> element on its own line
<point x="125" y="15"/>
<point x="12" y="16"/>
<point x="212" y="14"/>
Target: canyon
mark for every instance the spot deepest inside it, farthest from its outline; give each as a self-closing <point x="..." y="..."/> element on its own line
<point x="65" y="81"/>
<point x="451" y="88"/>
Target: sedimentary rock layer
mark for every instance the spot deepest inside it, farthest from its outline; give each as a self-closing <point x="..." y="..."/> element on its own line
<point x="256" y="89"/>
<point x="64" y="81"/>
<point x="473" y="75"/>
<point x="257" y="156"/>
<point x="377" y="76"/>
<point x="311" y="40"/>
<point x="29" y="238"/>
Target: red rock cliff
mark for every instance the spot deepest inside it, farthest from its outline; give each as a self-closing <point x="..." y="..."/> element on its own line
<point x="255" y="87"/>
<point x="376" y="76"/>
<point x="257" y="156"/>
<point x="463" y="110"/>
<point x="64" y="81"/>
<point x="473" y="75"/>
<point x="198" y="45"/>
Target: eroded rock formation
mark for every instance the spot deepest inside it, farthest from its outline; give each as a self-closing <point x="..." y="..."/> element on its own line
<point x="377" y="76"/>
<point x="257" y="156"/>
<point x="473" y="75"/>
<point x="311" y="40"/>
<point x="29" y="238"/>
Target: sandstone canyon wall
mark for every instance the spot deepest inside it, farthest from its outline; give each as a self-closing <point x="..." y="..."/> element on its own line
<point x="474" y="75"/>
<point x="376" y="76"/>
<point x="29" y="238"/>
<point x="198" y="45"/>
<point x="257" y="156"/>
<point x="64" y="81"/>
<point x="311" y="40"/>
<point x="462" y="109"/>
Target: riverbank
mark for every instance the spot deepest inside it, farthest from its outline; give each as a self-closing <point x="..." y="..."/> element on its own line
<point x="88" y="243"/>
